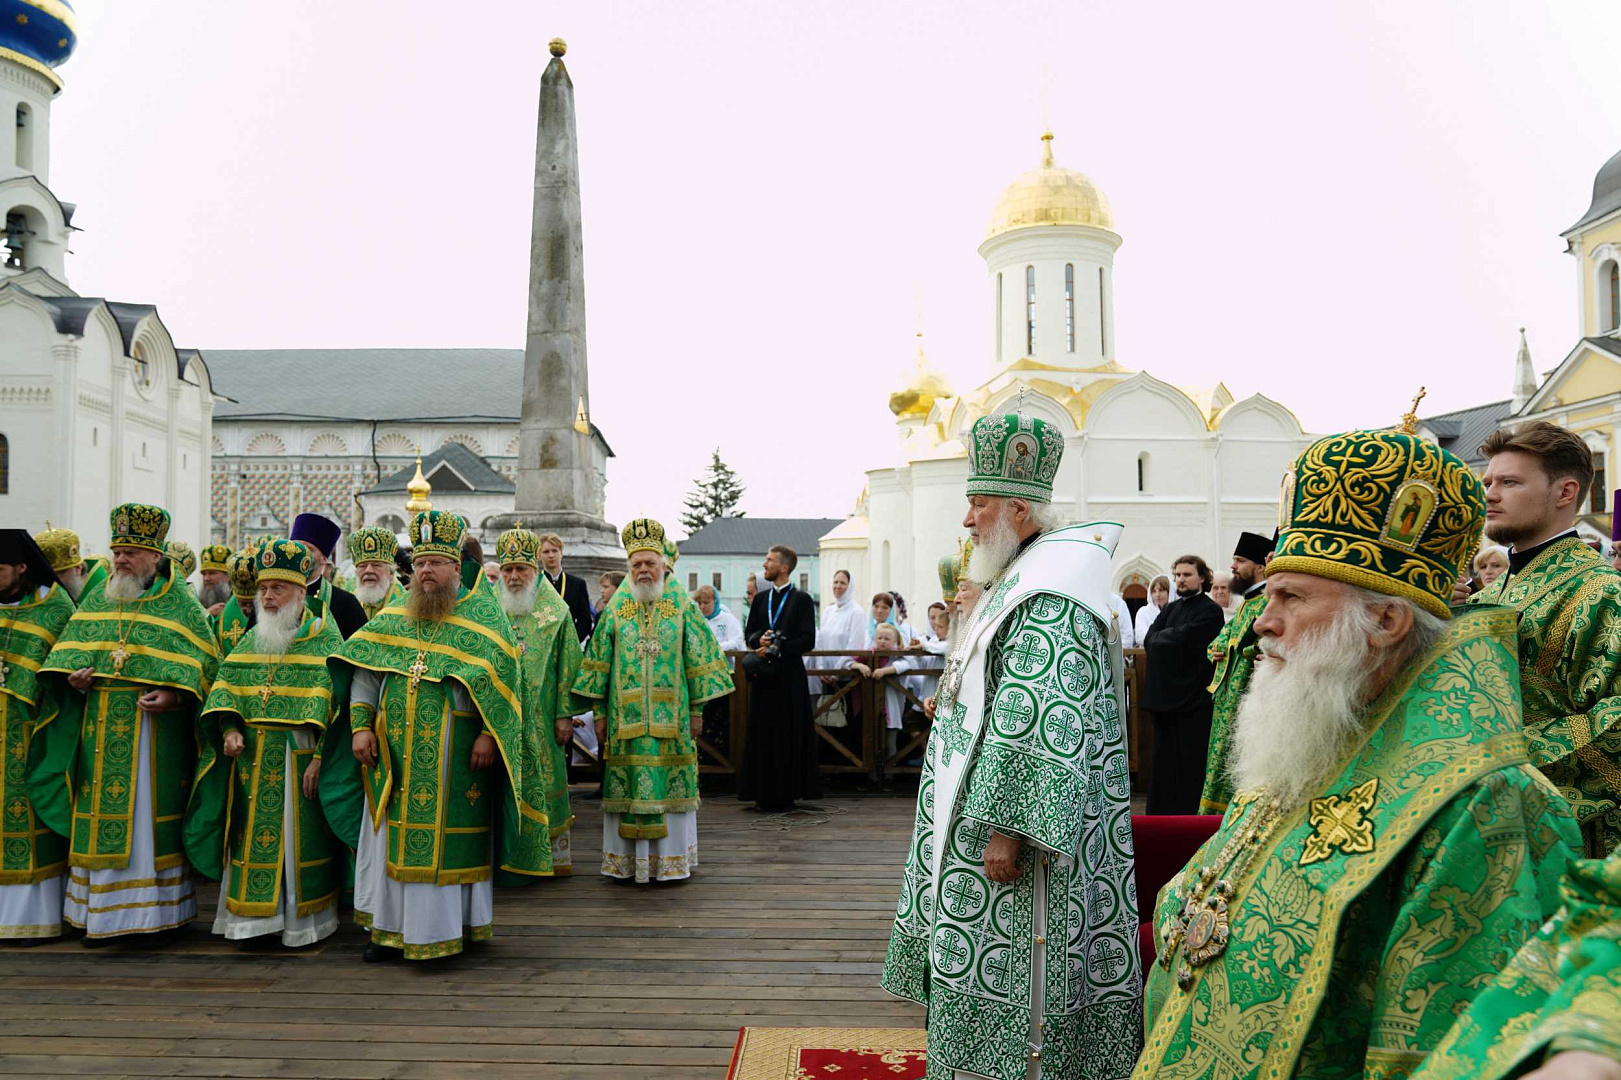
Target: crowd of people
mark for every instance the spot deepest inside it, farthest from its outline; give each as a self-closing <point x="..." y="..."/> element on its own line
<point x="1405" y="744"/>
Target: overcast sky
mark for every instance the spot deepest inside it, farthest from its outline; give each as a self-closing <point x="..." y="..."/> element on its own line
<point x="1328" y="203"/>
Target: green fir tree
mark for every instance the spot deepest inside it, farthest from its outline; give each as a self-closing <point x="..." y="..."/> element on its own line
<point x="715" y="495"/>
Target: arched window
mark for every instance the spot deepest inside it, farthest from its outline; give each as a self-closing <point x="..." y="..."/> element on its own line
<point x="1615" y="297"/>
<point x="392" y="522"/>
<point x="1030" y="311"/>
<point x="5" y="465"/>
<point x="1069" y="305"/>
<point x="25" y="138"/>
<point x="143" y="369"/>
<point x="1142" y="473"/>
<point x="999" y="315"/>
<point x="1598" y="493"/>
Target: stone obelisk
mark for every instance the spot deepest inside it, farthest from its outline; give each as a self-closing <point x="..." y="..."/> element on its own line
<point x="562" y="458"/>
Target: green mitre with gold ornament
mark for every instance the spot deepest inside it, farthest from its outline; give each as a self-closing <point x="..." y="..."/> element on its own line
<point x="215" y="558"/>
<point x="518" y="547"/>
<point x="1014" y="456"/>
<point x="1385" y="510"/>
<point x="643" y="534"/>
<point x="140" y="526"/>
<point x="437" y="532"/>
<point x="372" y="544"/>
<point x="180" y="553"/>
<point x="953" y="570"/>
<point x="284" y="560"/>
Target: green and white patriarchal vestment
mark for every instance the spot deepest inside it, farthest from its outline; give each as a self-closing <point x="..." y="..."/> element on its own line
<point x="1039" y="977"/>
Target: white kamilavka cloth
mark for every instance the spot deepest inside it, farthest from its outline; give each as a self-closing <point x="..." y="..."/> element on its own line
<point x="32" y="911"/>
<point x="421" y="912"/>
<point x="668" y="858"/>
<point x="295" y="929"/>
<point x="136" y="899"/>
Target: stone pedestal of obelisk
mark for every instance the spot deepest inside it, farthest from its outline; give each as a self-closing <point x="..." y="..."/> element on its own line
<point x="562" y="459"/>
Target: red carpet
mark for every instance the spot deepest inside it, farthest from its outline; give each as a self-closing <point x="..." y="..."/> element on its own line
<point x="828" y="1054"/>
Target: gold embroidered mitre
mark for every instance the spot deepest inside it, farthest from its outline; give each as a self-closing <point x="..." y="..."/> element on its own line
<point x="643" y="534"/>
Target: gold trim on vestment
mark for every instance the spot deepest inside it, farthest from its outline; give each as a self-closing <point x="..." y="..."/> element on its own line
<point x="208" y="647"/>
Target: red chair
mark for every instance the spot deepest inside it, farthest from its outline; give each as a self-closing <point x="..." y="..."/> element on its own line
<point x="1164" y="844"/>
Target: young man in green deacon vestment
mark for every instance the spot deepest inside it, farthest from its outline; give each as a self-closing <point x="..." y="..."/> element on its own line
<point x="437" y="732"/>
<point x="139" y="651"/>
<point x="548" y="662"/>
<point x="255" y="822"/>
<point x="1569" y="600"/>
<point x="651" y="664"/>
<point x="376" y="586"/>
<point x="236" y="618"/>
<point x="1232" y="653"/>
<point x="1389" y="846"/>
<point x="1017" y="920"/>
<point x="34" y="609"/>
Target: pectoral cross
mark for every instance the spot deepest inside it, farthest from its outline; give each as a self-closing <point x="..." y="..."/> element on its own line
<point x="5" y="669"/>
<point x="648" y="647"/>
<point x="264" y="694"/>
<point x="120" y="654"/>
<point x="417" y="670"/>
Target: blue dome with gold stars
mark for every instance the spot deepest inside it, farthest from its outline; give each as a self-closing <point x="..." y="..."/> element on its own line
<point x="38" y="34"/>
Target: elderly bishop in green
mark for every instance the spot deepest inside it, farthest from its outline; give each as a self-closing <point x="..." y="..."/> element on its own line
<point x="1017" y="921"/>
<point x="548" y="662"/>
<point x="1389" y="844"/>
<point x="651" y="665"/>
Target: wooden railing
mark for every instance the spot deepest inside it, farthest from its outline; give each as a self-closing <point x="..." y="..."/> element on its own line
<point x="873" y="758"/>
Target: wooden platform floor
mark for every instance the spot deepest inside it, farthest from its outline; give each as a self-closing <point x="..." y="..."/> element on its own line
<point x="585" y="979"/>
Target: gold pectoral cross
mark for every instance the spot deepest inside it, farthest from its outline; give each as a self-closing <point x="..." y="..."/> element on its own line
<point x="120" y="654"/>
<point x="264" y="694"/>
<point x="5" y="669"/>
<point x="418" y="669"/>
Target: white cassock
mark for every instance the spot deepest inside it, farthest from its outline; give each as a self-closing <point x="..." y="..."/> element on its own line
<point x="843" y="629"/>
<point x="420" y="912"/>
<point x="138" y="899"/>
<point x="668" y="858"/>
<point x="296" y="930"/>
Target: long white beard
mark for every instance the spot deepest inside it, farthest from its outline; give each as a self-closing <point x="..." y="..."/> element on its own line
<point x="647" y="593"/>
<point x="993" y="550"/>
<point x="122" y="585"/>
<point x="275" y="630"/>
<point x="520" y="601"/>
<point x="209" y="595"/>
<point x="373" y="594"/>
<point x="1298" y="717"/>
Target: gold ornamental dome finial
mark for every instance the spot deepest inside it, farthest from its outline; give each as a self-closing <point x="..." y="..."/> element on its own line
<point x="419" y="489"/>
<point x="558" y="47"/>
<point x="917" y="397"/>
<point x="1049" y="195"/>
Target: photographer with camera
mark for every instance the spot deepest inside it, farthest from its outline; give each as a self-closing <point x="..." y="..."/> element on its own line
<point x="780" y="763"/>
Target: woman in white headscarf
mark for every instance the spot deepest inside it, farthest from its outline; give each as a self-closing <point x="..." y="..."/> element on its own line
<point x="1159" y="594"/>
<point x="724" y="625"/>
<point x="843" y="629"/>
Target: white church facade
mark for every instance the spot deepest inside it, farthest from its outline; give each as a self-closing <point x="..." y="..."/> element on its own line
<point x="97" y="405"/>
<point x="1184" y="469"/>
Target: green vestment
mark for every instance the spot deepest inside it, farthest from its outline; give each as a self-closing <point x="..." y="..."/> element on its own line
<point x="650" y="667"/>
<point x="1362" y="922"/>
<point x="1027" y="741"/>
<point x="237" y="807"/>
<point x="1234" y="660"/>
<point x="160" y="641"/>
<point x="1562" y="991"/>
<point x="548" y="663"/>
<point x="1569" y="600"/>
<point x="439" y="828"/>
<point x="30" y="850"/>
<point x="231" y="625"/>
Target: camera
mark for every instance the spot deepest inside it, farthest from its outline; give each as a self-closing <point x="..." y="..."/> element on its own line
<point x="773" y="649"/>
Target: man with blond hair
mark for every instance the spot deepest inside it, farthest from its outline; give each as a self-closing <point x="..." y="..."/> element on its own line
<point x="571" y="587"/>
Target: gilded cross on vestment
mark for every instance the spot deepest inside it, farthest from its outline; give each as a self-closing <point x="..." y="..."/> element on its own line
<point x="5" y="669"/>
<point x="264" y="694"/>
<point x="234" y="634"/>
<point x="417" y="670"/>
<point x="120" y="654"/>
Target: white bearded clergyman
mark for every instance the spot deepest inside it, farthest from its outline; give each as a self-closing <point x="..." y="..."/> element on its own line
<point x="1017" y="923"/>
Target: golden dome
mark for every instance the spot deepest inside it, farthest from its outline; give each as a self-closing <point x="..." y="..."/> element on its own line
<point x="419" y="489"/>
<point x="1050" y="196"/>
<point x="917" y="397"/>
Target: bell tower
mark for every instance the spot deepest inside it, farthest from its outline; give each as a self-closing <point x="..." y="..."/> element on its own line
<point x="34" y="40"/>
